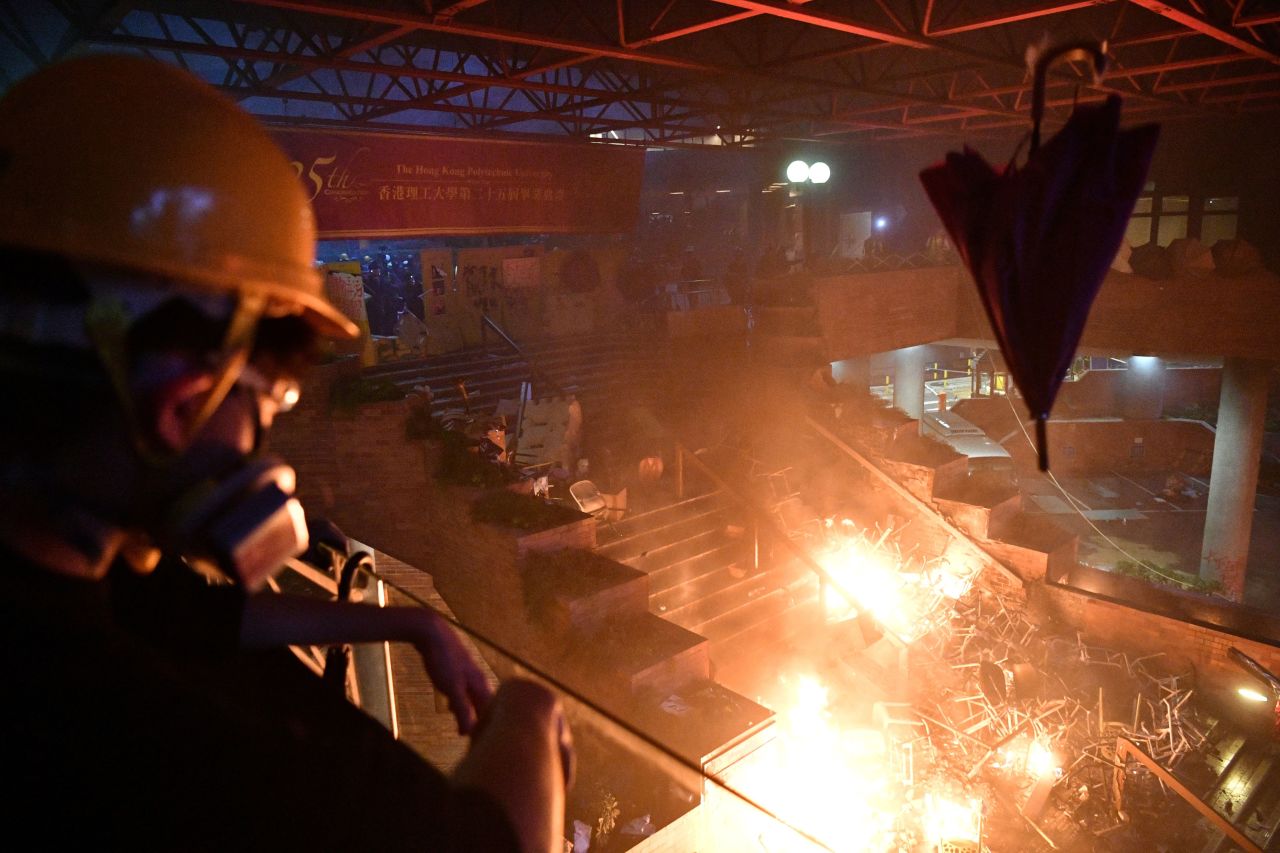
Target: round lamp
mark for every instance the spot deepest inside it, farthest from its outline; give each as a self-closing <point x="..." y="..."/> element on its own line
<point x="798" y="171"/>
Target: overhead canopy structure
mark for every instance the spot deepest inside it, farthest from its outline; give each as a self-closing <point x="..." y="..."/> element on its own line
<point x="675" y="72"/>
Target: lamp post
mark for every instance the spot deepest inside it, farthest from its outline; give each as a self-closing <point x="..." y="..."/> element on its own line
<point x="800" y="173"/>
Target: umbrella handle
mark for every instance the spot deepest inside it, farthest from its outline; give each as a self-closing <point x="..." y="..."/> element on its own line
<point x="1042" y="442"/>
<point x="1071" y="51"/>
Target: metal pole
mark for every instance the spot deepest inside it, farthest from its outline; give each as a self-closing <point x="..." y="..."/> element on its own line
<point x="679" y="472"/>
<point x="755" y="545"/>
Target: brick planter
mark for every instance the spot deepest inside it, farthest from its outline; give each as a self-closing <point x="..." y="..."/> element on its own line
<point x="977" y="519"/>
<point x="923" y="481"/>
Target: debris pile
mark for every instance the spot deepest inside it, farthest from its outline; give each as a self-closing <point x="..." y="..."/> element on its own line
<point x="1034" y="719"/>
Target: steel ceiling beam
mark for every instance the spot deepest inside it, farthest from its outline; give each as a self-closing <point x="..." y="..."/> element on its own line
<point x="840" y="24"/>
<point x="692" y="29"/>
<point x="456" y="28"/>
<point x="752" y="99"/>
<point x="794" y="12"/>
<point x="1214" y="82"/>
<point x="1015" y="17"/>
<point x="1255" y="19"/>
<point x="1198" y="24"/>
<point x="597" y="97"/>
<point x="317" y="62"/>
<point x="449" y="10"/>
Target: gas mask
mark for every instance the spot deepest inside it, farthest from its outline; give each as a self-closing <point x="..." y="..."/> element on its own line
<point x="246" y="521"/>
<point x="247" y="524"/>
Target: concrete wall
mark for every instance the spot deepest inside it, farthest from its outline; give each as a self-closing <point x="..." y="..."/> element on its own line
<point x="1101" y="393"/>
<point x="1210" y="316"/>
<point x="866" y="313"/>
<point x="1079" y="446"/>
<point x="1185" y="644"/>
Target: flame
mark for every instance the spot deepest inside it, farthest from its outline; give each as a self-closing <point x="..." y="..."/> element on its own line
<point x="834" y="784"/>
<point x="1040" y="759"/>
<point x="901" y="602"/>
<point x="951" y="821"/>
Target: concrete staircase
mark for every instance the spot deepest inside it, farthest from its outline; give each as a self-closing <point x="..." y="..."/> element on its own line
<point x="698" y="556"/>
<point x="586" y="366"/>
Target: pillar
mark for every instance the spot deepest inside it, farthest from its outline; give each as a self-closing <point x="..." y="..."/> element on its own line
<point x="908" y="380"/>
<point x="1233" y="481"/>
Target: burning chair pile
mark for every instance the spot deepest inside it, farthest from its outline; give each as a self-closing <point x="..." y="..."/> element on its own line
<point x="1003" y="732"/>
<point x="1034" y="720"/>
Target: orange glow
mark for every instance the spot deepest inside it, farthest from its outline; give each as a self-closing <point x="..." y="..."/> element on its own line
<point x="1040" y="760"/>
<point x="834" y="784"/>
<point x="873" y="577"/>
<point x="952" y="821"/>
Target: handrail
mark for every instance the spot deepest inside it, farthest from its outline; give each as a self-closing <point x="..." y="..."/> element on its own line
<point x="762" y="515"/>
<point x="534" y="371"/>
<point x="529" y="669"/>
<point x="957" y="534"/>
<point x="337" y="659"/>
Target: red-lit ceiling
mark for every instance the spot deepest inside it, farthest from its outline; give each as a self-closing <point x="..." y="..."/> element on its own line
<point x="677" y="71"/>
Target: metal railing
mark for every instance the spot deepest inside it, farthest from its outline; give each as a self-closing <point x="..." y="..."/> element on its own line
<point x="690" y="801"/>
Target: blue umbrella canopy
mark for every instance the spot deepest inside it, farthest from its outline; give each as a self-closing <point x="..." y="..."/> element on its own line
<point x="1038" y="239"/>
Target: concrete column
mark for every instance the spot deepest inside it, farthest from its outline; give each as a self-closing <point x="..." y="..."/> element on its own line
<point x="908" y="380"/>
<point x="1233" y="481"/>
<point x="1143" y="388"/>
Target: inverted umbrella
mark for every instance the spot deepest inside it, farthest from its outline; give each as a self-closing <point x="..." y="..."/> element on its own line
<point x="1038" y="239"/>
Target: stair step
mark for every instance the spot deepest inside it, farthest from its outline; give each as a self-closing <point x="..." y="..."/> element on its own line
<point x="722" y="593"/>
<point x="665" y="583"/>
<point x="641" y="651"/>
<point x="763" y="607"/>
<point x="768" y="632"/>
<point x="444" y="369"/>
<point x="660" y="517"/>
<point x="651" y="540"/>
<point x="655" y="561"/>
<point x="729" y="625"/>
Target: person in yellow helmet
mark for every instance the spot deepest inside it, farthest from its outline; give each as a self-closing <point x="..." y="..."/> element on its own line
<point x="158" y="304"/>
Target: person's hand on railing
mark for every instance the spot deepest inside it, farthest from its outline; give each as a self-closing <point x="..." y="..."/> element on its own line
<point x="274" y="621"/>
<point x="522" y="756"/>
<point x="452" y="670"/>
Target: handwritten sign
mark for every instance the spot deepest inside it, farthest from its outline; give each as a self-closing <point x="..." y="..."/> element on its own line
<point x="521" y="273"/>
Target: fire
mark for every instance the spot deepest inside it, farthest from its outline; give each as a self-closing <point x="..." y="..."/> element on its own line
<point x="1040" y="760"/>
<point x="833" y="784"/>
<point x="950" y="822"/>
<point x="868" y="577"/>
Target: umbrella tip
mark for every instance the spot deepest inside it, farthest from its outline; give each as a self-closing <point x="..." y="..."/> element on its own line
<point x="1042" y="441"/>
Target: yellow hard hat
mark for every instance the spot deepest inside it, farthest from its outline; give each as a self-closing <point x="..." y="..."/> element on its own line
<point x="136" y="165"/>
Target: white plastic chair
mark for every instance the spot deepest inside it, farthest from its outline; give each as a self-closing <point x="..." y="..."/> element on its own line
<point x="588" y="497"/>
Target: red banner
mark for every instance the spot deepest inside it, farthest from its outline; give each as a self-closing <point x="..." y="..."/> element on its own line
<point x="386" y="185"/>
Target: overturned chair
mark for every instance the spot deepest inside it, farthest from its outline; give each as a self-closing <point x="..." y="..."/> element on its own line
<point x="595" y="503"/>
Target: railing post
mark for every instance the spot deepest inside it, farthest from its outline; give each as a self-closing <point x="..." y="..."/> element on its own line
<point x="755" y="545"/>
<point x="680" y="472"/>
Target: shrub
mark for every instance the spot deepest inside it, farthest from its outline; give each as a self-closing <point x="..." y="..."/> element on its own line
<point x="1168" y="577"/>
